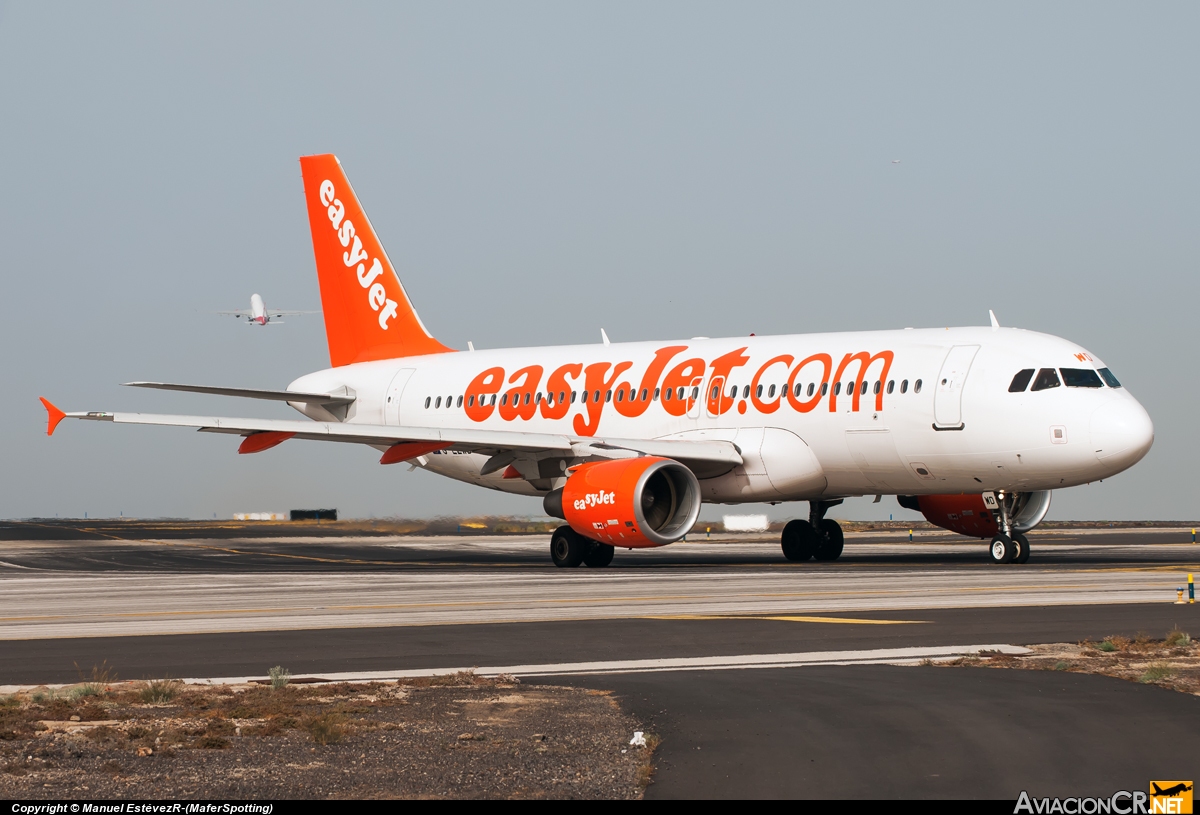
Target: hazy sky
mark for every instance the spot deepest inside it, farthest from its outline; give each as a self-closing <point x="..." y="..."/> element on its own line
<point x="538" y="171"/>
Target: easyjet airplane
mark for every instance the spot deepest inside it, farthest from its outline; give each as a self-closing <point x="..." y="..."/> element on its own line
<point x="971" y="426"/>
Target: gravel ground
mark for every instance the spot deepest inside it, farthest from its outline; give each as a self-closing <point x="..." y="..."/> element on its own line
<point x="451" y="737"/>
<point x="1172" y="662"/>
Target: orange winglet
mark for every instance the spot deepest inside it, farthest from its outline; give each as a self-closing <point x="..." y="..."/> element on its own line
<point x="263" y="440"/>
<point x="55" y="415"/>
<point x="410" y="449"/>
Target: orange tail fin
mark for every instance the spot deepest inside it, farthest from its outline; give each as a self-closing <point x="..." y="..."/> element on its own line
<point x="368" y="315"/>
<point x="53" y="415"/>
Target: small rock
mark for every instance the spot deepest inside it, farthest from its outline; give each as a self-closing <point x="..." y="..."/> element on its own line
<point x="539" y="736"/>
<point x="144" y="751"/>
<point x="465" y="736"/>
<point x="74" y="718"/>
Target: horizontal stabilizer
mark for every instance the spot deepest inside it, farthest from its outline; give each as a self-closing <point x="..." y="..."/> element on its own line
<point x="344" y="397"/>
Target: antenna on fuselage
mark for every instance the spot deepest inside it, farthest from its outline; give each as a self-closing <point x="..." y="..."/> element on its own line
<point x="995" y="322"/>
<point x="603" y="336"/>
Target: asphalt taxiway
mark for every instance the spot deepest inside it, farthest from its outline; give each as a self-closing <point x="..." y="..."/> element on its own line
<point x="725" y="609"/>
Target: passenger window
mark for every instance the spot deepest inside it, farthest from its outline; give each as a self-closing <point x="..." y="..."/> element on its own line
<point x="733" y="392"/>
<point x="696" y="393"/>
<point x="493" y="400"/>
<point x="837" y="389"/>
<point x="537" y="398"/>
<point x="596" y="396"/>
<point x="458" y="402"/>
<point x="608" y="396"/>
<point x="1081" y="378"/>
<point x="891" y="385"/>
<point x="449" y="401"/>
<point x="667" y="394"/>
<point x="771" y="392"/>
<point x="1109" y="378"/>
<point x="1046" y="378"/>
<point x="863" y="390"/>
<point x="746" y="392"/>
<point x="573" y="395"/>
<point x="438" y="403"/>
<point x="682" y="391"/>
<point x="758" y="391"/>
<point x="917" y="386"/>
<point x="585" y="397"/>
<point x="471" y="401"/>
<point x="644" y="393"/>
<point x="620" y="395"/>
<point x="850" y="387"/>
<point x="1021" y="380"/>
<point x="427" y="403"/>
<point x="527" y="397"/>
<point x="824" y="388"/>
<point x="904" y="386"/>
<point x="812" y="386"/>
<point x="562" y="397"/>
<point x="656" y="394"/>
<point x="875" y="390"/>
<point x="716" y="389"/>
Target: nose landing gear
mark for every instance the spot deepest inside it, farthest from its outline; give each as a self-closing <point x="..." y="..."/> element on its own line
<point x="818" y="537"/>
<point x="1009" y="546"/>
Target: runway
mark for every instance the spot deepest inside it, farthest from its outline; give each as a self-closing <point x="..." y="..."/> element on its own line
<point x="691" y="637"/>
<point x="137" y="588"/>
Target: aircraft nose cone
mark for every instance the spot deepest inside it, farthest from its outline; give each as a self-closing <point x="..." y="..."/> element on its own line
<point x="1121" y="433"/>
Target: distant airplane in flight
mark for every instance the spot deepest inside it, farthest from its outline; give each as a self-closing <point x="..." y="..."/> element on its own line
<point x="258" y="314"/>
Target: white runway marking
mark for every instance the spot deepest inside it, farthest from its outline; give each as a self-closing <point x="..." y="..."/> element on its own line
<point x="43" y="604"/>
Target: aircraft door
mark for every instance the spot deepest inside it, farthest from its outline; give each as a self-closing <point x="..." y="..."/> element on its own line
<point x="947" y="397"/>
<point x="712" y="402"/>
<point x="391" y="401"/>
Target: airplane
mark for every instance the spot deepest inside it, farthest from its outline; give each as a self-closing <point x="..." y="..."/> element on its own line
<point x="258" y="314"/>
<point x="1170" y="792"/>
<point x="973" y="426"/>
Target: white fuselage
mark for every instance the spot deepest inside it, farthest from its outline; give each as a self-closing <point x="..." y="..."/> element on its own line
<point x="258" y="310"/>
<point x="961" y="430"/>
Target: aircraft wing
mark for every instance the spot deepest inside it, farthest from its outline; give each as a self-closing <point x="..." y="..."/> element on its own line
<point x="277" y="313"/>
<point x="343" y="397"/>
<point x="244" y="312"/>
<point x="706" y="457"/>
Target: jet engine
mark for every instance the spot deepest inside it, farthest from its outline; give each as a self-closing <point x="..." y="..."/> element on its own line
<point x="632" y="502"/>
<point x="967" y="515"/>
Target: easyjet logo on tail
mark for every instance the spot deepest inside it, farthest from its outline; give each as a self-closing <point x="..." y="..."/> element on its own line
<point x="376" y="294"/>
<point x="368" y="315"/>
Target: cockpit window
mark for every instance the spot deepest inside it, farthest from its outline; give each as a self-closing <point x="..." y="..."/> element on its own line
<point x="1046" y="378"/>
<point x="1021" y="381"/>
<point x="1108" y="377"/>
<point x="1081" y="378"/>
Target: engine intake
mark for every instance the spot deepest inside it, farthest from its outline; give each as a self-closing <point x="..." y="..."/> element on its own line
<point x="633" y="502"/>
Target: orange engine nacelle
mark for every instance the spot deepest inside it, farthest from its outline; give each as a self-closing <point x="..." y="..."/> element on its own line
<point x="631" y="503"/>
<point x="964" y="514"/>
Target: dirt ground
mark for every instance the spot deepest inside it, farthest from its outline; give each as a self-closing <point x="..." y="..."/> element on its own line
<point x="449" y="737"/>
<point x="1170" y="662"/>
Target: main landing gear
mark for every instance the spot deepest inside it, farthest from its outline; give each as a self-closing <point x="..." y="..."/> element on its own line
<point x="818" y="537"/>
<point x="1009" y="546"/>
<point x="568" y="549"/>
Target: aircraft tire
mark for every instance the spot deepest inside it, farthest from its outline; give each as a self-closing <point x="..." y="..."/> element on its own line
<point x="1002" y="549"/>
<point x="799" y="541"/>
<point x="1022" y="542"/>
<point x="567" y="547"/>
<point x="830" y="540"/>
<point x="599" y="556"/>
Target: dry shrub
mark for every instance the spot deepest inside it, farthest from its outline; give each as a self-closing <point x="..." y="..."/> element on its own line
<point x="325" y="728"/>
<point x="212" y="743"/>
<point x="1155" y="672"/>
<point x="102" y="733"/>
<point x="1177" y="639"/>
<point x="160" y="691"/>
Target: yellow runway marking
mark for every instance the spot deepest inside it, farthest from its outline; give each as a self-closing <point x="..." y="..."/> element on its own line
<point x="788" y="619"/>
